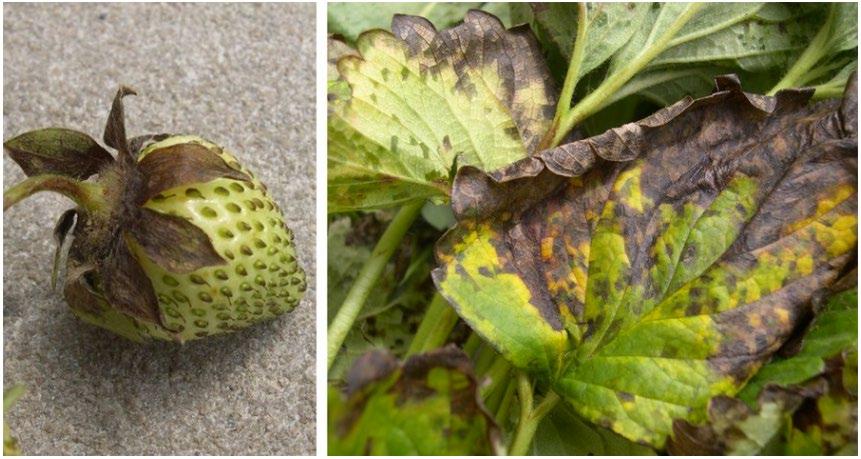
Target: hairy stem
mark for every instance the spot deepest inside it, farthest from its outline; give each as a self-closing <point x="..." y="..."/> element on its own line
<point x="530" y="416"/>
<point x="815" y="51"/>
<point x="85" y="194"/>
<point x="368" y="277"/>
<point x="596" y="100"/>
<point x="437" y="323"/>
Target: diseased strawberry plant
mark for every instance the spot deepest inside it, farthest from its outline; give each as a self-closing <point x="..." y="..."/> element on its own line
<point x="644" y="225"/>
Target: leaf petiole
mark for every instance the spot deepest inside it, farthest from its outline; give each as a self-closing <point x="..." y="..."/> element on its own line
<point x="85" y="194"/>
<point x="597" y="99"/>
<point x="572" y="77"/>
<point x="368" y="277"/>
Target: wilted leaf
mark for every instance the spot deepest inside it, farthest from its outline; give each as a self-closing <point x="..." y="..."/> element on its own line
<point x="422" y="103"/>
<point x="57" y="151"/>
<point x="427" y="406"/>
<point x="833" y="332"/>
<point x="351" y="19"/>
<point x="649" y="269"/>
<point x="733" y="428"/>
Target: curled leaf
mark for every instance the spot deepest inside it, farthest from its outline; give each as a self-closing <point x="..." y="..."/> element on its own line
<point x="646" y="270"/>
<point x="423" y="102"/>
<point x="57" y="151"/>
<point x="427" y="406"/>
<point x="115" y="128"/>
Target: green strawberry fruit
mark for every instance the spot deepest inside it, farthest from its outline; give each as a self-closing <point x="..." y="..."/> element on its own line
<point x="173" y="239"/>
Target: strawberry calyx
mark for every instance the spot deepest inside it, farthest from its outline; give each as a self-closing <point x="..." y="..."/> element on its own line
<point x="110" y="217"/>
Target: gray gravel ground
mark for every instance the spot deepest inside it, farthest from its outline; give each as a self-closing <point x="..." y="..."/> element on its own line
<point x="241" y="75"/>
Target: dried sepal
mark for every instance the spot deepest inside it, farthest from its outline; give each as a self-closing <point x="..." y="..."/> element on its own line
<point x="115" y="128"/>
<point x="57" y="151"/>
<point x="126" y="286"/>
<point x="182" y="164"/>
<point x="64" y="225"/>
<point x="174" y="243"/>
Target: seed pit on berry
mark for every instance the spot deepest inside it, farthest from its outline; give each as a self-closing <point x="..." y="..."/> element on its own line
<point x="245" y="250"/>
<point x="171" y="312"/>
<point x="259" y="265"/>
<point x="225" y="233"/>
<point x="259" y="226"/>
<point x="205" y="297"/>
<point x="193" y="193"/>
<point x="226" y="291"/>
<point x="245" y="287"/>
<point x="169" y="280"/>
<point x="259" y="244"/>
<point x="228" y="254"/>
<point x="241" y="270"/>
<point x="221" y="191"/>
<point x="198" y="312"/>
<point x="209" y="212"/>
<point x="223" y="316"/>
<point x="200" y="323"/>
<point x="178" y="296"/>
<point x="243" y="226"/>
<point x="197" y="279"/>
<point x="237" y="187"/>
<point x="232" y="207"/>
<point x="220" y="274"/>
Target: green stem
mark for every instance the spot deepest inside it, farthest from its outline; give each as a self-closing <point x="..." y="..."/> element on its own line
<point x="529" y="417"/>
<point x="573" y="75"/>
<point x="471" y="344"/>
<point x="596" y="100"/>
<point x="437" y="323"/>
<point x="85" y="194"/>
<point x="505" y="406"/>
<point x="497" y="374"/>
<point x="815" y="51"/>
<point x="368" y="277"/>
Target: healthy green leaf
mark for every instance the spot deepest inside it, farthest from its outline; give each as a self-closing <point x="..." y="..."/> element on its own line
<point x="609" y="25"/>
<point x="646" y="270"/>
<point x="423" y="103"/>
<point x="563" y="433"/>
<point x="427" y="406"/>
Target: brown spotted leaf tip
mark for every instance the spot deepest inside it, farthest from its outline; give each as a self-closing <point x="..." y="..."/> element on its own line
<point x="429" y="405"/>
<point x="643" y="271"/>
<point x="409" y="107"/>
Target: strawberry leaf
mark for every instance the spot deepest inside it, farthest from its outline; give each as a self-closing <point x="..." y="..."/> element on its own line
<point x="427" y="406"/>
<point x="419" y="103"/>
<point x="57" y="151"/>
<point x="646" y="270"/>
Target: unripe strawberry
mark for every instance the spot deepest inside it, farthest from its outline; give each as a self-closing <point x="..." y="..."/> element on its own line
<point x="173" y="239"/>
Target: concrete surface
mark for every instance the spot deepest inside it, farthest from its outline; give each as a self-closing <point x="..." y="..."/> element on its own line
<point x="241" y="75"/>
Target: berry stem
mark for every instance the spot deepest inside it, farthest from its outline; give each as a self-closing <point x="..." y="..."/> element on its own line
<point x="368" y="277"/>
<point x="86" y="195"/>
